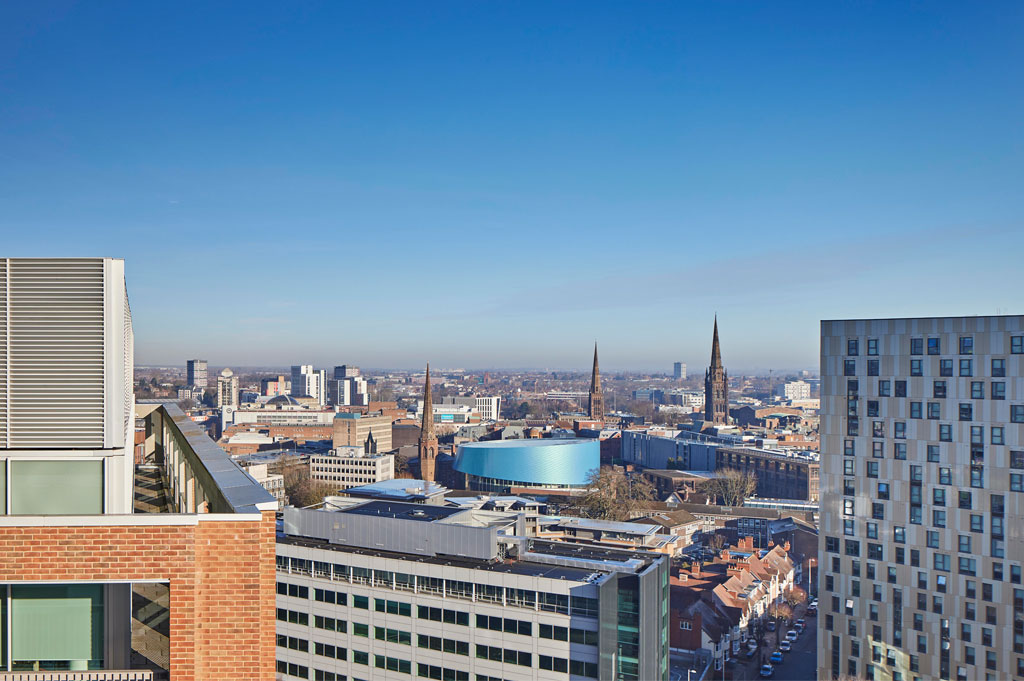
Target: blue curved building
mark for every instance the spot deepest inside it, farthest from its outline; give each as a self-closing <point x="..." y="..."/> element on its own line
<point x="505" y="466"/>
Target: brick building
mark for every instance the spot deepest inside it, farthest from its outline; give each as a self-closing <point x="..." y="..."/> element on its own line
<point x="163" y="567"/>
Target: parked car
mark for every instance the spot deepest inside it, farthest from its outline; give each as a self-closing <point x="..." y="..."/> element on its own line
<point x="812" y="611"/>
<point x="785" y="646"/>
<point x="751" y="652"/>
<point x="792" y="634"/>
<point x="767" y="671"/>
<point x="801" y="623"/>
<point x="771" y="625"/>
<point x="776" y="657"/>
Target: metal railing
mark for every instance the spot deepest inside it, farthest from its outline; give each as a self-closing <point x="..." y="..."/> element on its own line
<point x="200" y="476"/>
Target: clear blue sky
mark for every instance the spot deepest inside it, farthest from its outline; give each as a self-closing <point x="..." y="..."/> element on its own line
<point x="500" y="184"/>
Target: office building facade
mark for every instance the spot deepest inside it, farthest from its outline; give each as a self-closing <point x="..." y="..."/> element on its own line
<point x="309" y="382"/>
<point x="196" y="373"/>
<point x="345" y="467"/>
<point x="922" y="481"/>
<point x="397" y="590"/>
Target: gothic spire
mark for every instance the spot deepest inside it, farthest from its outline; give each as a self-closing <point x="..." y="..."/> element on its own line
<point x="716" y="352"/>
<point x="595" y="376"/>
<point x="595" y="405"/>
<point x="427" y="427"/>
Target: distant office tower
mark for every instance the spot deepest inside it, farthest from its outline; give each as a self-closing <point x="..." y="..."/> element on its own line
<point x="309" y="382"/>
<point x="679" y="371"/>
<point x="796" y="390"/>
<point x="348" y="391"/>
<point x="428" y="441"/>
<point x="595" y="404"/>
<point x="196" y="373"/>
<point x="80" y="553"/>
<point x="346" y="371"/>
<point x="227" y="389"/>
<point x="716" y="385"/>
<point x="922" y="484"/>
<point x="488" y="407"/>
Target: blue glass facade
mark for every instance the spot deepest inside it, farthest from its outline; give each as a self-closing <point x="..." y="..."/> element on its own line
<point x="554" y="463"/>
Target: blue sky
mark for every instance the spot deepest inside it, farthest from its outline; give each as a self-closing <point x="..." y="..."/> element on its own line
<point x="499" y="184"/>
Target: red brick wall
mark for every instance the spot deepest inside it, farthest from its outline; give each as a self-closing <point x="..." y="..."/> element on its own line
<point x="221" y="576"/>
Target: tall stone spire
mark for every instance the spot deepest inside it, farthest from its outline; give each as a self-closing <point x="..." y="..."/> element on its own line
<point x="716" y="385"/>
<point x="428" y="441"/>
<point x="595" y="408"/>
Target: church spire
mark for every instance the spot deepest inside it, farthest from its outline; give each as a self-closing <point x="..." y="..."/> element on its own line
<point x="595" y="408"/>
<point x="716" y="351"/>
<point x="428" y="441"/>
<point x="428" y="407"/>
<point x="716" y="385"/>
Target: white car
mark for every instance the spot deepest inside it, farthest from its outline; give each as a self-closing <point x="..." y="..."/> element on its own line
<point x="766" y="671"/>
<point x="792" y="634"/>
<point x="785" y="646"/>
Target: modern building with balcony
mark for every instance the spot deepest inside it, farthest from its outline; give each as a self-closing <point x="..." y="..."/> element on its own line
<point x="110" y="568"/>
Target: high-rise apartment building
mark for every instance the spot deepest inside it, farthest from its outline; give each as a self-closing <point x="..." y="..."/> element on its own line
<point x="196" y="373"/>
<point x="309" y="382"/>
<point x="679" y="371"/>
<point x="227" y="389"/>
<point x="80" y="554"/>
<point x="922" y="498"/>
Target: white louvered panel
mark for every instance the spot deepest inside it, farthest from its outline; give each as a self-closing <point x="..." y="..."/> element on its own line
<point x="3" y="353"/>
<point x="56" y="362"/>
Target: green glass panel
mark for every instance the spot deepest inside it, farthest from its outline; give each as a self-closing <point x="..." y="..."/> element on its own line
<point x="57" y="624"/>
<point x="56" y="487"/>
<point x="3" y="488"/>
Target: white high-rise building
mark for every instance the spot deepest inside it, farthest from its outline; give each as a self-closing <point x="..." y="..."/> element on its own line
<point x="309" y="382"/>
<point x="227" y="389"/>
<point x="796" y="390"/>
<point x="922" y="499"/>
<point x="66" y="386"/>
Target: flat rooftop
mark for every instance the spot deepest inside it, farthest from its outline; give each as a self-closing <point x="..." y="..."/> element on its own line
<point x="519" y="567"/>
<point x="396" y="509"/>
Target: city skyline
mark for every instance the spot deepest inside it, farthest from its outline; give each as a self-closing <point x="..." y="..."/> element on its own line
<point x="591" y="172"/>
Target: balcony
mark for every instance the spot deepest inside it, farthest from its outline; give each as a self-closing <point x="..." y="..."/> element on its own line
<point x="118" y="577"/>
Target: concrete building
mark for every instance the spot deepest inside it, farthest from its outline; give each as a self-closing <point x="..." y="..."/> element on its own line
<point x="393" y="590"/>
<point x="795" y="390"/>
<point x="922" y="433"/>
<point x="781" y="474"/>
<point x="351" y="466"/>
<point x="272" y="387"/>
<point x="352" y="430"/>
<point x="487" y="407"/>
<point x="272" y="482"/>
<point x="196" y="373"/>
<point x="651" y="450"/>
<point x="309" y="382"/>
<point x="282" y="410"/>
<point x="227" y="389"/>
<point x="348" y="392"/>
<point x="77" y="547"/>
<point x="679" y="371"/>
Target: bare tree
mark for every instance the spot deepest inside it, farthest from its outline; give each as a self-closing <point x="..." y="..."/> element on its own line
<point x="731" y="486"/>
<point x="612" y="495"/>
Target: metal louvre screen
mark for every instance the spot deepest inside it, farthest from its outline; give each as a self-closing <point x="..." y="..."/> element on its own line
<point x="3" y="353"/>
<point x="55" y="360"/>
